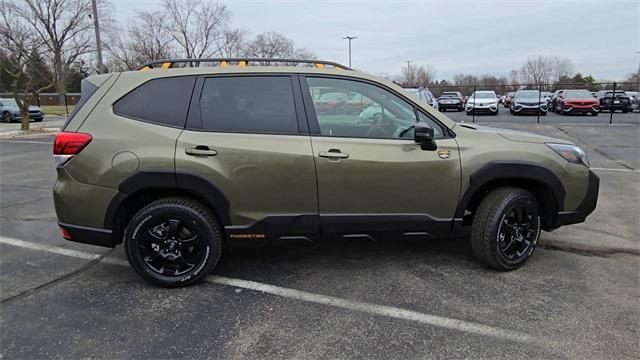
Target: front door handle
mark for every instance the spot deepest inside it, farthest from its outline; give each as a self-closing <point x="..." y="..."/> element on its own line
<point x="200" y="150"/>
<point x="333" y="154"/>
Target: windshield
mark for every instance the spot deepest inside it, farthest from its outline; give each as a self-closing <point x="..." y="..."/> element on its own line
<point x="578" y="94"/>
<point x="484" y="95"/>
<point x="450" y="95"/>
<point x="532" y="94"/>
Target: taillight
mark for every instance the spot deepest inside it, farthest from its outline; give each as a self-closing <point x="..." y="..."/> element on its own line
<point x="67" y="144"/>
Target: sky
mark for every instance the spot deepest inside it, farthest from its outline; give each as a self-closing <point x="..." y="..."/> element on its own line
<point x="601" y="38"/>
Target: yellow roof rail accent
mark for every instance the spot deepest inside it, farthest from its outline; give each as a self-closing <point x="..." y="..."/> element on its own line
<point x="319" y="66"/>
<point x="166" y="65"/>
<point x="242" y="63"/>
<point x="224" y="63"/>
<point x="145" y="68"/>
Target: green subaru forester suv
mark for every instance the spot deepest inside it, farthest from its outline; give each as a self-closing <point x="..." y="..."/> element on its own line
<point x="188" y="157"/>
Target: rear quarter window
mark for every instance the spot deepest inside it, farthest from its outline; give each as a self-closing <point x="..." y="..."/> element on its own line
<point x="163" y="101"/>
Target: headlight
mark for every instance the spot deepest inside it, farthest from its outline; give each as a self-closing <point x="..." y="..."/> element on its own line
<point x="571" y="153"/>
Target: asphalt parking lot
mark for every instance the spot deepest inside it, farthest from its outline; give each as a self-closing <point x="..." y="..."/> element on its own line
<point x="578" y="297"/>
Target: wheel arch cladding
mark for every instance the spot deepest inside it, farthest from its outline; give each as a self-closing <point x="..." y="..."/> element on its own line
<point x="144" y="187"/>
<point x="540" y="181"/>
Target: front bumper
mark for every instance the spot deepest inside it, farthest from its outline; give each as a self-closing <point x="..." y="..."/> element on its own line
<point x="594" y="108"/>
<point x="450" y="106"/>
<point x="529" y="109"/>
<point x="482" y="109"/>
<point x="585" y="208"/>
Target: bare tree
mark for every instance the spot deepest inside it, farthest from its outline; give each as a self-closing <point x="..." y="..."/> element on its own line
<point x="64" y="27"/>
<point x="146" y="39"/>
<point x="270" y="45"/>
<point x="233" y="43"/>
<point x="197" y="27"/>
<point x="416" y="76"/>
<point x="562" y="68"/>
<point x="537" y="69"/>
<point x="22" y="48"/>
<point x="544" y="69"/>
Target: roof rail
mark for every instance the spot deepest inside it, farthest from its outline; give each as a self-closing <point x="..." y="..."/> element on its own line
<point x="169" y="63"/>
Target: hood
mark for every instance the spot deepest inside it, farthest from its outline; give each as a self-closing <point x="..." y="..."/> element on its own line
<point x="32" y="107"/>
<point x="520" y="136"/>
<point x="581" y="99"/>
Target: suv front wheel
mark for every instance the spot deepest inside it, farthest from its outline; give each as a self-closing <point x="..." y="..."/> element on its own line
<point x="173" y="242"/>
<point x="506" y="228"/>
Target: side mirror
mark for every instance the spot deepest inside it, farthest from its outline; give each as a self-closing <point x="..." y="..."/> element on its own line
<point x="423" y="135"/>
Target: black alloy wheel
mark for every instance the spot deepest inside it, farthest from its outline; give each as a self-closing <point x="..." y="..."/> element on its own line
<point x="173" y="242"/>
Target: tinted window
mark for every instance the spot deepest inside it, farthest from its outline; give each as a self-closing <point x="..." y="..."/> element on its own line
<point x="164" y="101"/>
<point x="256" y="104"/>
<point x="369" y="111"/>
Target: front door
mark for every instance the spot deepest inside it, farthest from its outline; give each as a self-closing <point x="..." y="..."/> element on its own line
<point x="372" y="176"/>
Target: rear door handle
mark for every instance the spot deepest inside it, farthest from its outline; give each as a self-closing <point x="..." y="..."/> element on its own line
<point x="333" y="153"/>
<point x="200" y="150"/>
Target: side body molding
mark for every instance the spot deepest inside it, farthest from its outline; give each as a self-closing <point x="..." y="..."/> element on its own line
<point x="496" y="170"/>
<point x="168" y="180"/>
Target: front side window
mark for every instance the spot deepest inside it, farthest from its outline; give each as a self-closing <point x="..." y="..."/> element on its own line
<point x="163" y="101"/>
<point x="362" y="110"/>
<point x="253" y="104"/>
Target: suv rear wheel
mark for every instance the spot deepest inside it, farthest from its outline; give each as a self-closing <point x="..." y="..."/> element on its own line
<point x="173" y="242"/>
<point x="506" y="228"/>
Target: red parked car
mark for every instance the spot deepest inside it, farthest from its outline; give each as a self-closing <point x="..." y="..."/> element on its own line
<point x="508" y="99"/>
<point x="577" y="102"/>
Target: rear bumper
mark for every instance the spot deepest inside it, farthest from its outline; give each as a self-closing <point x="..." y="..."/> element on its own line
<point x="450" y="106"/>
<point x="585" y="208"/>
<point x="88" y="235"/>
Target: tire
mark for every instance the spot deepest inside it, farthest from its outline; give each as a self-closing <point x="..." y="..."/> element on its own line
<point x="491" y="229"/>
<point x="469" y="113"/>
<point x="511" y="111"/>
<point x="38" y="120"/>
<point x="157" y="236"/>
<point x="594" y="113"/>
<point x="6" y="117"/>
<point x="439" y="109"/>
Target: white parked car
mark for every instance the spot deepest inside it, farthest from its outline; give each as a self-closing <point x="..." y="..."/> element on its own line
<point x="482" y="102"/>
<point x="423" y="94"/>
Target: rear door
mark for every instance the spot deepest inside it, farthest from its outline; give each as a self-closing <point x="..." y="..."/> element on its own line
<point x="247" y="136"/>
<point x="372" y="176"/>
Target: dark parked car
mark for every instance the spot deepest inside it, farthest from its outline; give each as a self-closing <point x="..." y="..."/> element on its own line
<point x="450" y="100"/>
<point x="576" y="101"/>
<point x="11" y="111"/>
<point x="610" y="101"/>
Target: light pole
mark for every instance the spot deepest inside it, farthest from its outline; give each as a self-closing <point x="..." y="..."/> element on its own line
<point x="96" y="25"/>
<point x="349" y="38"/>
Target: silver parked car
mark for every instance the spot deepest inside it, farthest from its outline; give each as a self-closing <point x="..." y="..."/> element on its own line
<point x="423" y="94"/>
<point x="528" y="102"/>
<point x="11" y="111"/>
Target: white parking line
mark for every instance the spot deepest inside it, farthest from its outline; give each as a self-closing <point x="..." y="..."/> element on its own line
<point x="368" y="308"/>
<point x="614" y="169"/>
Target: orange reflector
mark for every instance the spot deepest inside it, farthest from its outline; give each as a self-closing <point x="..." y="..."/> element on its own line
<point x="242" y="63"/>
<point x="145" y="68"/>
<point x="166" y="65"/>
<point x="320" y="66"/>
<point x="224" y="63"/>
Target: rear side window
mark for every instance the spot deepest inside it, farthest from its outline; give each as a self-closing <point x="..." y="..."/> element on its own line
<point x="252" y="104"/>
<point x="163" y="101"/>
